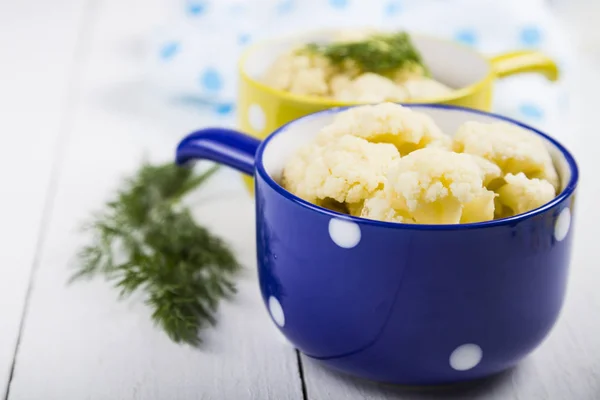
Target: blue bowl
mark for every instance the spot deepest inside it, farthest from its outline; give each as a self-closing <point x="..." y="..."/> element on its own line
<point x="400" y="303"/>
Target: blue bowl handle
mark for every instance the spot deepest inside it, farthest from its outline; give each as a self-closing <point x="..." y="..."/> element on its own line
<point x="224" y="146"/>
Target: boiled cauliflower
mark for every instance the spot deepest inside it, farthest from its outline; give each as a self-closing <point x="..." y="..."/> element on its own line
<point x="436" y="186"/>
<point x="491" y="172"/>
<point x="410" y="71"/>
<point x="406" y="129"/>
<point x="367" y="88"/>
<point x="513" y="149"/>
<point x="343" y="74"/>
<point x="521" y="194"/>
<point x="424" y="88"/>
<point x="300" y="74"/>
<point x="379" y="207"/>
<point x="387" y="162"/>
<point x="348" y="170"/>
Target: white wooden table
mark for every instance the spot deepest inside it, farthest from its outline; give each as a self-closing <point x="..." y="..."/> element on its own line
<point x="75" y="116"/>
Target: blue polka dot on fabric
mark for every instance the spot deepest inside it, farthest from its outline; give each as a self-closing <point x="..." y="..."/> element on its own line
<point x="244" y="38"/>
<point x="237" y="9"/>
<point x="466" y="36"/>
<point x="532" y="111"/>
<point x="339" y="4"/>
<point x="224" y="108"/>
<point x="168" y="50"/>
<point x="531" y="36"/>
<point x="285" y="6"/>
<point x="196" y="8"/>
<point x="393" y="8"/>
<point x="211" y="80"/>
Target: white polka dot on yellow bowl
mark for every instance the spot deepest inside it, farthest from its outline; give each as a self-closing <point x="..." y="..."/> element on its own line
<point x="256" y="117"/>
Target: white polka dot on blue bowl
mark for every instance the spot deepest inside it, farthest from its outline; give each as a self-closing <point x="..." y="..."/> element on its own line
<point x="562" y="224"/>
<point x="466" y="357"/>
<point x="345" y="234"/>
<point x="276" y="311"/>
<point x="257" y="118"/>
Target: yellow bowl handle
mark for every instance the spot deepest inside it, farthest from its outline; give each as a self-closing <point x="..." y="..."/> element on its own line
<point x="524" y="61"/>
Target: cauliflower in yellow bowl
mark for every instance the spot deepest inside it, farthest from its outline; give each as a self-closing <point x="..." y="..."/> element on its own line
<point x="361" y="66"/>
<point x="391" y="163"/>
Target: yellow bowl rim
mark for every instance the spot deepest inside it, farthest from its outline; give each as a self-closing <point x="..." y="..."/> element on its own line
<point x="329" y="102"/>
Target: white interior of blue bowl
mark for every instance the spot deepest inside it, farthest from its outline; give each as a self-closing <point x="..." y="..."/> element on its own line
<point x="300" y="132"/>
<point x="450" y="63"/>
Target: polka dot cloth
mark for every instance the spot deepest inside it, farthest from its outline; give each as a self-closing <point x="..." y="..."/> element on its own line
<point x="393" y="8"/>
<point x="211" y="79"/>
<point x="531" y="36"/>
<point x="339" y="4"/>
<point x="195" y="8"/>
<point x="285" y="6"/>
<point x="169" y="50"/>
<point x="466" y="36"/>
<point x="196" y="55"/>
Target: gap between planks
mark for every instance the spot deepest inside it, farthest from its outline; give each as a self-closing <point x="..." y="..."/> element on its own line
<point x="301" y="375"/>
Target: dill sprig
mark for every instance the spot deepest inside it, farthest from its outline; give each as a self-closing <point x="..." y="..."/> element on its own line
<point x="145" y="239"/>
<point x="378" y="53"/>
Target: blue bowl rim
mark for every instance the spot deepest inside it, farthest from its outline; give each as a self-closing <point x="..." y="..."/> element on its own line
<point x="565" y="194"/>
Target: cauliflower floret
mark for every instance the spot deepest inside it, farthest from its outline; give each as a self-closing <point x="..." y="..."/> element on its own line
<point x="410" y="70"/>
<point x="425" y="88"/>
<point x="481" y="208"/>
<point x="355" y="209"/>
<point x="310" y="81"/>
<point x="521" y="194"/>
<point x="406" y="129"/>
<point x="339" y="82"/>
<point x="379" y="207"/>
<point x="300" y="73"/>
<point x="491" y="171"/>
<point x="436" y="186"/>
<point x="513" y="149"/>
<point x="348" y="170"/>
<point x="367" y="88"/>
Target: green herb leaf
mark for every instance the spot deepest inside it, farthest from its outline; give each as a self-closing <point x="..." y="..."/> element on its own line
<point x="144" y="239"/>
<point x="379" y="53"/>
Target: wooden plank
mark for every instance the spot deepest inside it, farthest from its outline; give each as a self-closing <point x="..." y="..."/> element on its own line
<point x="567" y="365"/>
<point x="79" y="342"/>
<point x="38" y="42"/>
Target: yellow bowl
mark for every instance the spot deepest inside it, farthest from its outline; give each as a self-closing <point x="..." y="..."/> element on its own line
<point x="262" y="109"/>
